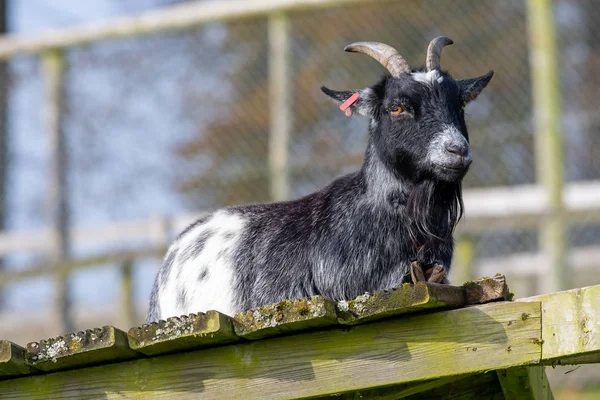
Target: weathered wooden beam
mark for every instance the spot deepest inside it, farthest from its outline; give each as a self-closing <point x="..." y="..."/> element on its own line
<point x="286" y="316"/>
<point x="94" y="346"/>
<point x="12" y="360"/>
<point x="177" y="17"/>
<point x="570" y="325"/>
<point x="66" y="266"/>
<point x="484" y="290"/>
<point x="336" y="360"/>
<point x="403" y="300"/>
<point x="393" y="392"/>
<point x="182" y="333"/>
<point x="472" y="387"/>
<point x="525" y="383"/>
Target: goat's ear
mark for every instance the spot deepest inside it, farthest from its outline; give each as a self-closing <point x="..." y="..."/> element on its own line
<point x="470" y="88"/>
<point x="366" y="104"/>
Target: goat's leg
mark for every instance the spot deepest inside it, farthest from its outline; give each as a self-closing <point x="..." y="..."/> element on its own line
<point x="436" y="274"/>
<point x="416" y="272"/>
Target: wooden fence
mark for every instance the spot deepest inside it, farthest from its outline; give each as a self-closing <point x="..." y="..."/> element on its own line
<point x="418" y="341"/>
<point x="545" y="207"/>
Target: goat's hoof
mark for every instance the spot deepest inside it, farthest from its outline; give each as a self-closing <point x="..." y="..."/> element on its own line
<point x="416" y="272"/>
<point x="436" y="274"/>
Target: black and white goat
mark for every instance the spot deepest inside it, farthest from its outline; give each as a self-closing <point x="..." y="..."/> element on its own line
<point x="365" y="231"/>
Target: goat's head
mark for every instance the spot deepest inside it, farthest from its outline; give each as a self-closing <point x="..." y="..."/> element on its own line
<point x="417" y="116"/>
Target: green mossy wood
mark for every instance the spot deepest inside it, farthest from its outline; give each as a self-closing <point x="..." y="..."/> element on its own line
<point x="525" y="383"/>
<point x="285" y="316"/>
<point x="93" y="346"/>
<point x="403" y="300"/>
<point x="12" y="360"/>
<point x="356" y="349"/>
<point x="182" y="333"/>
<point x="335" y="360"/>
<point x="571" y="328"/>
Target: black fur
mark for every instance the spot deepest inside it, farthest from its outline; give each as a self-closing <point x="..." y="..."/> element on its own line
<point x="360" y="233"/>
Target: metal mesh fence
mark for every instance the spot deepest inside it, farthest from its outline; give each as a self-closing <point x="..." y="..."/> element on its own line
<point x="165" y="123"/>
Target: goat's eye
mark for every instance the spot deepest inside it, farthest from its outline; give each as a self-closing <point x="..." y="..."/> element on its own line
<point x="395" y="110"/>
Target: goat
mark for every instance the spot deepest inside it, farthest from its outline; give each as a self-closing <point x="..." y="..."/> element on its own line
<point x="369" y="230"/>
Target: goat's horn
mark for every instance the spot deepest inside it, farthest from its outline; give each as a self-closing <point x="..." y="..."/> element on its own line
<point x="434" y="51"/>
<point x="386" y="55"/>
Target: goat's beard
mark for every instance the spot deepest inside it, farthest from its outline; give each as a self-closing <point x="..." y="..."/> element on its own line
<point x="433" y="210"/>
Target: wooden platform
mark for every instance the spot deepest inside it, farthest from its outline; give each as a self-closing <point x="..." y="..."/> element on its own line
<point x="416" y="341"/>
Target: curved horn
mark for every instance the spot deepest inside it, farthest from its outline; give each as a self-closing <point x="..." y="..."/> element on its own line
<point x="386" y="55"/>
<point x="434" y="51"/>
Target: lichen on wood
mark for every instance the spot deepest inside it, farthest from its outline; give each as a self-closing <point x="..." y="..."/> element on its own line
<point x="182" y="333"/>
<point x="285" y="316"/>
<point x="83" y="348"/>
<point x="405" y="299"/>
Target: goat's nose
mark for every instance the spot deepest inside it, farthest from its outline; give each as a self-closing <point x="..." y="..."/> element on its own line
<point x="458" y="149"/>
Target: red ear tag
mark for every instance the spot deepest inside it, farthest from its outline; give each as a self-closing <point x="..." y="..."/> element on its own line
<point x="346" y="105"/>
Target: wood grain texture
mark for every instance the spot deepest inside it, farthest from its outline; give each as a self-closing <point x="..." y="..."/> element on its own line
<point x="182" y="333"/>
<point x="351" y="358"/>
<point x="177" y="17"/>
<point x="285" y="317"/>
<point x="571" y="326"/>
<point x="525" y="383"/>
<point x="12" y="360"/>
<point x="485" y="290"/>
<point x="93" y="346"/>
<point x="473" y="387"/>
<point x="402" y="300"/>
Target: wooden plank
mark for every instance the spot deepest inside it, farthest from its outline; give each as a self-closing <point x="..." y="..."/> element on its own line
<point x="12" y="360"/>
<point x="182" y="333"/>
<point x="523" y="205"/>
<point x="571" y="325"/>
<point x="485" y="290"/>
<point x="177" y="17"/>
<point x="389" y="352"/>
<point x="484" y="205"/>
<point x="73" y="350"/>
<point x="392" y="392"/>
<point x="579" y="259"/>
<point x="70" y="265"/>
<point x="285" y="317"/>
<point x="525" y="383"/>
<point x="403" y="300"/>
<point x="473" y="387"/>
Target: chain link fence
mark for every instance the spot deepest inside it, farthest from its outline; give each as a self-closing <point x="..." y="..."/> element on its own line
<point x="170" y="122"/>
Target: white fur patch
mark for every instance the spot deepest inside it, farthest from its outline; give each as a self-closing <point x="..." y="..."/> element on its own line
<point x="215" y="290"/>
<point x="436" y="152"/>
<point x="429" y="77"/>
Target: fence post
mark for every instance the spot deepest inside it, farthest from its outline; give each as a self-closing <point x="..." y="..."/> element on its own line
<point x="53" y="65"/>
<point x="280" y="105"/>
<point x="128" y="317"/>
<point x="4" y="162"/>
<point x="464" y="256"/>
<point x="543" y="57"/>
